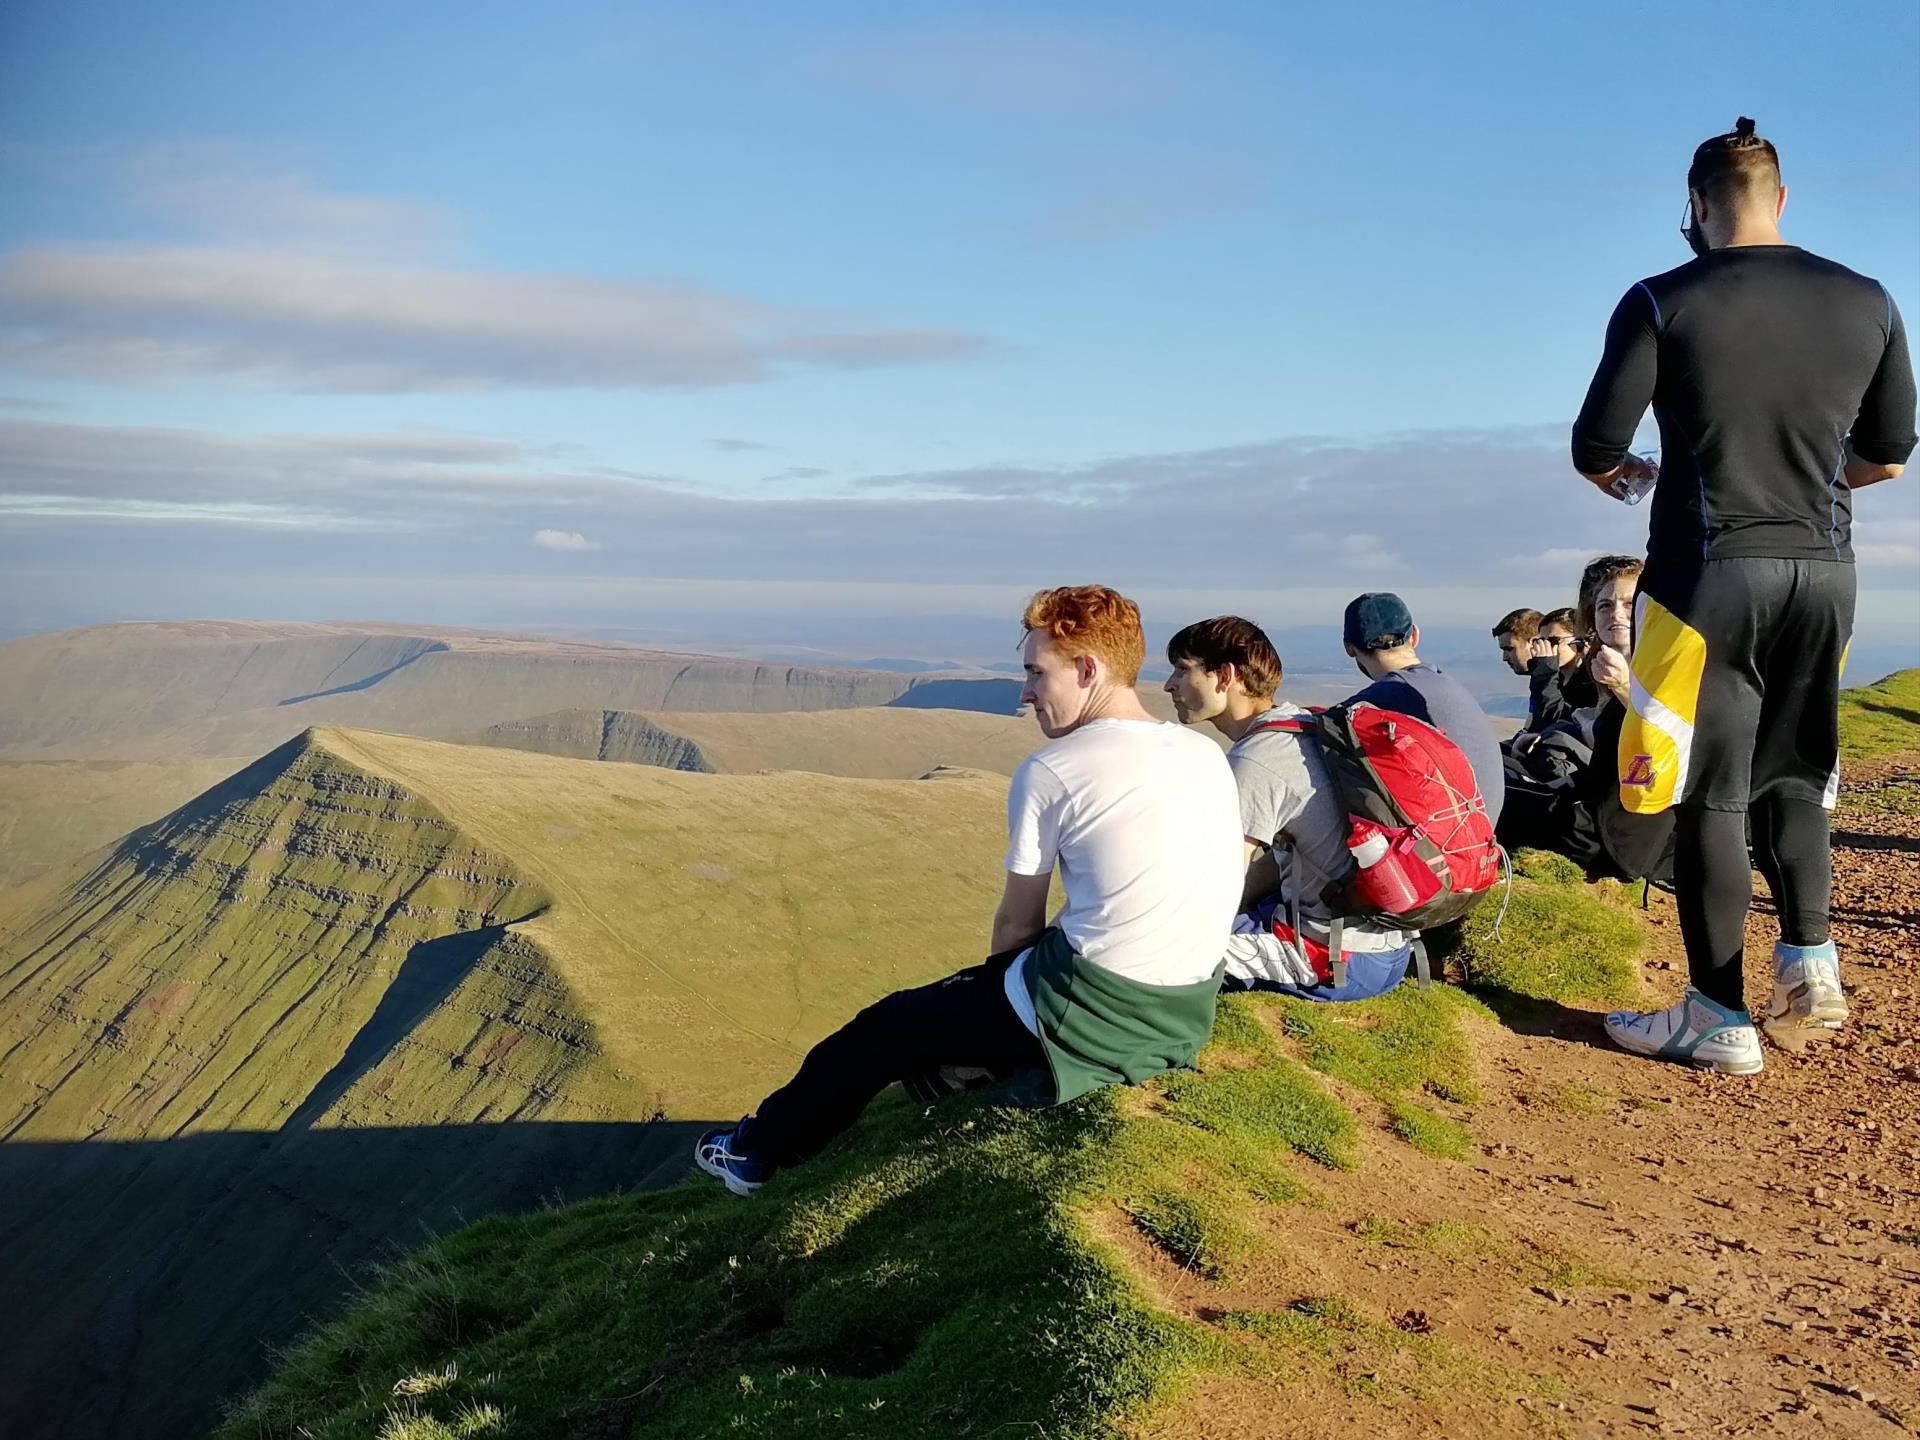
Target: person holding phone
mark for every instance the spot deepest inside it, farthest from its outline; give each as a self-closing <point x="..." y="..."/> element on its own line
<point x="1782" y="383"/>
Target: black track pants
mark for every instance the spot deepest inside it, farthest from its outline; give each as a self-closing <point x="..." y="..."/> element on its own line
<point x="1713" y="881"/>
<point x="964" y="1019"/>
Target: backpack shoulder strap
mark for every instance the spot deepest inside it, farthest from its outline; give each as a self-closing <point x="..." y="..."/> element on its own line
<point x="1288" y="724"/>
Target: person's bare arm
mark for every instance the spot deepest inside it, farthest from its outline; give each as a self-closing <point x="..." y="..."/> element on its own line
<point x="1868" y="472"/>
<point x="1263" y="875"/>
<point x="1021" y="914"/>
<point x="1631" y="468"/>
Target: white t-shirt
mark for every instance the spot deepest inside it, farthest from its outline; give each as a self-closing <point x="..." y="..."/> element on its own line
<point x="1143" y="820"/>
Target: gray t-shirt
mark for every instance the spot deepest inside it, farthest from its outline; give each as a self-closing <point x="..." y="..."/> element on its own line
<point x="1437" y="699"/>
<point x="1287" y="801"/>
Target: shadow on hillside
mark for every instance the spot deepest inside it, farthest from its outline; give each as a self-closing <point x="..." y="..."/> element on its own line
<point x="366" y="682"/>
<point x="431" y="972"/>
<point x="1898" y="712"/>
<point x="992" y="697"/>
<point x="1856" y="840"/>
<point x="147" y="1281"/>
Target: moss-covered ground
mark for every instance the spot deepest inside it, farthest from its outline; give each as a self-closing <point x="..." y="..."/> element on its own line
<point x="955" y="1270"/>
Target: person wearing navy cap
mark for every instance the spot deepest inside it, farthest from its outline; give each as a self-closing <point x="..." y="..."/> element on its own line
<point x="1383" y="640"/>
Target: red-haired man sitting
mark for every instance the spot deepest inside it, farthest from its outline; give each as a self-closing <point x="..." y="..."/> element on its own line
<point x="1142" y="820"/>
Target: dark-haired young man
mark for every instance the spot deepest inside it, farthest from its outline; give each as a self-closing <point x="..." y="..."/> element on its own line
<point x="1557" y="682"/>
<point x="1781" y="382"/>
<point x="1514" y="635"/>
<point x="1226" y="674"/>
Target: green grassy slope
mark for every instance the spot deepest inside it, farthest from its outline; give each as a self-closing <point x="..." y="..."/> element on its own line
<point x="1882" y="718"/>
<point x="55" y="812"/>
<point x="964" y="1271"/>
<point x="869" y="743"/>
<point x="332" y="978"/>
<point x="207" y="972"/>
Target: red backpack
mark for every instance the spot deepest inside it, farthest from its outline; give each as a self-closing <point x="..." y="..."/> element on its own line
<point x="1423" y="846"/>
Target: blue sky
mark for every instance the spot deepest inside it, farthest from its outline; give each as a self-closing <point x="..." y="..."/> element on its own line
<point x="328" y="311"/>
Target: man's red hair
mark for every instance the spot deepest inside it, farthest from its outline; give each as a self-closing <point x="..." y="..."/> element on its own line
<point x="1091" y="620"/>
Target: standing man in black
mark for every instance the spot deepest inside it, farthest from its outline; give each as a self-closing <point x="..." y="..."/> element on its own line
<point x="1781" y="383"/>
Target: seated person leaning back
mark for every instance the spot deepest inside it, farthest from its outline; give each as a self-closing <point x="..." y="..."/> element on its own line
<point x="1227" y="674"/>
<point x="1140" y="819"/>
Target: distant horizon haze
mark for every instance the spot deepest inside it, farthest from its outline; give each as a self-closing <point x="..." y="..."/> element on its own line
<point x="784" y="327"/>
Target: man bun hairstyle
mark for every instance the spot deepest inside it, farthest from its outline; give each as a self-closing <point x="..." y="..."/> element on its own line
<point x="1229" y="640"/>
<point x="1523" y="624"/>
<point x="1599" y="572"/>
<point x="1091" y="620"/>
<point x="1730" y="167"/>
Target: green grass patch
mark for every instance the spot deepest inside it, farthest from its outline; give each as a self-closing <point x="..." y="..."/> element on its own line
<point x="1556" y="943"/>
<point x="1583" y="1099"/>
<point x="1907" y="1237"/>
<point x="1407" y="1043"/>
<point x="1407" y="1040"/>
<point x="1385" y="1363"/>
<point x="1205" y="1238"/>
<point x="1456" y="1239"/>
<point x="1461" y="1240"/>
<point x="876" y="1292"/>
<point x="470" y="1422"/>
<point x="1882" y="718"/>
<point x="1429" y="1133"/>
<point x="1897" y="796"/>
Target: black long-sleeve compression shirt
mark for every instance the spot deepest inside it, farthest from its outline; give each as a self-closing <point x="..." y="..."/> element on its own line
<point x="1760" y="361"/>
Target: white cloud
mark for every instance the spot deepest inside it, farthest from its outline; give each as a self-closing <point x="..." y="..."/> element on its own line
<point x="1461" y="521"/>
<point x="316" y="323"/>
<point x="562" y="540"/>
<point x="1559" y="558"/>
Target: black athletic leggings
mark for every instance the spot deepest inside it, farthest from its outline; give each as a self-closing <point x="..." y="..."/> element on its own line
<point x="964" y="1019"/>
<point x="1713" y="880"/>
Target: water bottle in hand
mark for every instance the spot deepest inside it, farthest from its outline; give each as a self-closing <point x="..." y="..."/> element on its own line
<point x="1635" y="488"/>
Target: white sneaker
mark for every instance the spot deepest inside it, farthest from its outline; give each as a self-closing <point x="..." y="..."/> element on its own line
<point x="1697" y="1030"/>
<point x="1808" y="1003"/>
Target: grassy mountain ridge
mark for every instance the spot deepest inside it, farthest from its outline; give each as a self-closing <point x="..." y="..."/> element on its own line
<point x="870" y="742"/>
<point x="330" y="979"/>
<point x="185" y="976"/>
<point x="162" y="691"/>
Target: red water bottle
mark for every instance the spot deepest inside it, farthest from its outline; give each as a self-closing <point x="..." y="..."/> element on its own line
<point x="1388" y="876"/>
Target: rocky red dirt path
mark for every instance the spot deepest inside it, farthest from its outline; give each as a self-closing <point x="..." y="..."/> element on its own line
<point x="1751" y="1246"/>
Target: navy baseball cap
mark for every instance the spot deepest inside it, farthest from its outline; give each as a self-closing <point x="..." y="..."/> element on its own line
<point x="1378" y="620"/>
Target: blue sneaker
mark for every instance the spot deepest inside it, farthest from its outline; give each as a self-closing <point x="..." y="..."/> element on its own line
<point x="1697" y="1031"/>
<point x="1808" y="1003"/>
<point x="740" y="1172"/>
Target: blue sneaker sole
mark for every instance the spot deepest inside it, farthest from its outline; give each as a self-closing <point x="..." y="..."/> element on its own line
<point x="725" y="1176"/>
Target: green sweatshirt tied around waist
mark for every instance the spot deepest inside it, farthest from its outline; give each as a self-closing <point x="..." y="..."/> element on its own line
<point x="1098" y="1028"/>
